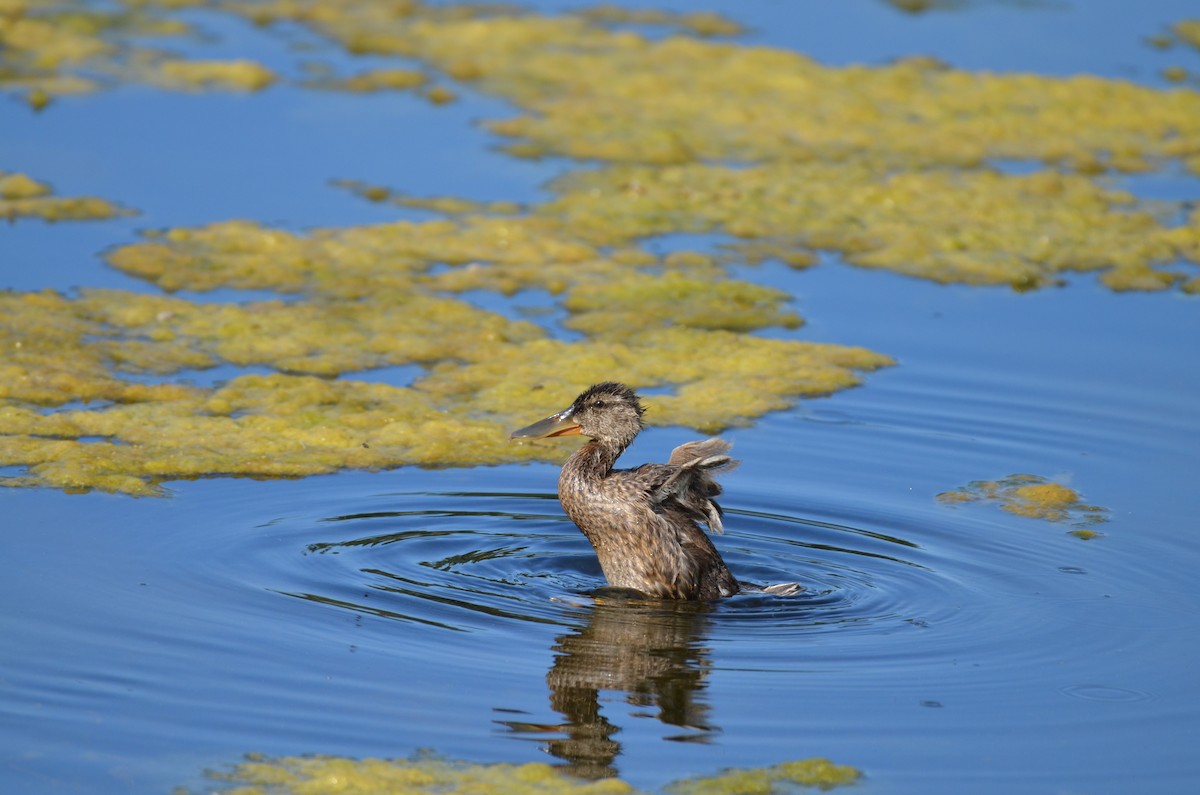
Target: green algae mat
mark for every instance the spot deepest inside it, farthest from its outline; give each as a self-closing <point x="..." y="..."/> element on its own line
<point x="318" y="775"/>
<point x="774" y="155"/>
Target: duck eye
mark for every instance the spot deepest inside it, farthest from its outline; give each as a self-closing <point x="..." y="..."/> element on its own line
<point x="599" y="404"/>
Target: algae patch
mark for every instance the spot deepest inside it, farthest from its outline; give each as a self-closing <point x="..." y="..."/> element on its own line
<point x="445" y="205"/>
<point x="321" y="774"/>
<point x="592" y="92"/>
<point x="819" y="773"/>
<point x="21" y="196"/>
<point x="90" y="396"/>
<point x="235" y="75"/>
<point x="1034" y="497"/>
<point x="62" y="48"/>
<point x="975" y="227"/>
<point x="699" y="23"/>
<point x="891" y="166"/>
<point x="784" y="158"/>
<point x="373" y="80"/>
<point x="1187" y="31"/>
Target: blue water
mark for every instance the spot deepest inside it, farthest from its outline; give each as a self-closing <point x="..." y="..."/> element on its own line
<point x="936" y="648"/>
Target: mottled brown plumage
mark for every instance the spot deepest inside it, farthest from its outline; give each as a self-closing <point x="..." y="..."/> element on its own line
<point x="644" y="522"/>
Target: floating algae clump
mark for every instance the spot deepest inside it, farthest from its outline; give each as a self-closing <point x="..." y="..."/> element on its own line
<point x="350" y="262"/>
<point x="59" y="47"/>
<point x="638" y="303"/>
<point x="84" y="400"/>
<point x="235" y="75"/>
<point x="887" y="165"/>
<point x="373" y="80"/>
<point x="819" y="773"/>
<point x="977" y="227"/>
<point x="24" y="197"/>
<point x="1188" y="32"/>
<point x="21" y="186"/>
<point x="448" y="205"/>
<point x="1034" y="497"/>
<point x="597" y="93"/>
<point x="785" y="158"/>
<point x="37" y="50"/>
<point x="700" y="23"/>
<point x="321" y="774"/>
<point x="324" y="774"/>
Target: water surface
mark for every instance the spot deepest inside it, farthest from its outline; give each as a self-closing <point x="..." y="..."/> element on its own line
<point x="935" y="648"/>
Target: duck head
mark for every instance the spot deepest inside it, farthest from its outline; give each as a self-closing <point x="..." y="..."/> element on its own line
<point x="608" y="412"/>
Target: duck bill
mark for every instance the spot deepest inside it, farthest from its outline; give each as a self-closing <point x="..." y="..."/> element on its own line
<point x="559" y="424"/>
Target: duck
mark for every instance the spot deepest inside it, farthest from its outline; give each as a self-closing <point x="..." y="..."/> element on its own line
<point x="643" y="522"/>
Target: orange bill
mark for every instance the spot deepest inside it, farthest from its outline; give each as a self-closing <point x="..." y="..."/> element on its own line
<point x="559" y="424"/>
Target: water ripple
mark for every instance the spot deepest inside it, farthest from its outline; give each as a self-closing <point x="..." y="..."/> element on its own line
<point x="896" y="594"/>
<point x="460" y="560"/>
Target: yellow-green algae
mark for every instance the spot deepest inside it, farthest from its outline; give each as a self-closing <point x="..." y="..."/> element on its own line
<point x="82" y="406"/>
<point x="51" y="49"/>
<point x="446" y="205"/>
<point x="815" y="772"/>
<point x="887" y="165"/>
<point x="701" y="23"/>
<point x="1188" y="32"/>
<point x="21" y="196"/>
<point x="977" y="227"/>
<point x="373" y="80"/>
<point x="592" y="92"/>
<point x="638" y="303"/>
<point x="884" y="164"/>
<point x="1034" y="497"/>
<point x="234" y="75"/>
<point x="326" y="774"/>
<point x="36" y="50"/>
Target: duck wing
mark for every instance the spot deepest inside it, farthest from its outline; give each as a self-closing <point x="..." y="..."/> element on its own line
<point x="686" y="480"/>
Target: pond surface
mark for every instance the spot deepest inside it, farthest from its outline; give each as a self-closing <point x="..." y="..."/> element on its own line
<point x="936" y="647"/>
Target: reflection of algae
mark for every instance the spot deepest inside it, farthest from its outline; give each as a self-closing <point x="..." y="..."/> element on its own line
<point x="324" y="774"/>
<point x="24" y="197"/>
<point x="1034" y="497"/>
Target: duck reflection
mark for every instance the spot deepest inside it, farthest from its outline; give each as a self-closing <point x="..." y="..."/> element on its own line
<point x="651" y="650"/>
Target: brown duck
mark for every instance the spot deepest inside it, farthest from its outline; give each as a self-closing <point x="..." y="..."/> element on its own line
<point x="644" y="522"/>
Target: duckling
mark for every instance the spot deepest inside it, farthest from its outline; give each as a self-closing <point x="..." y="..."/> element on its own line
<point x="644" y="523"/>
